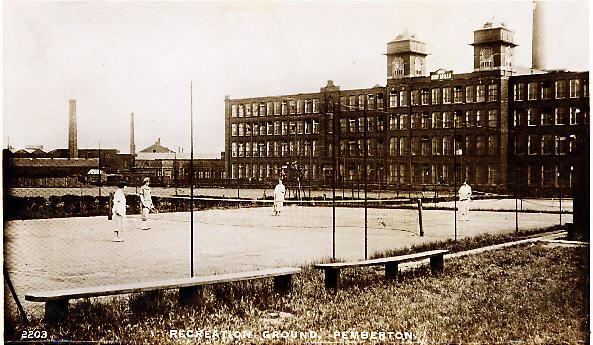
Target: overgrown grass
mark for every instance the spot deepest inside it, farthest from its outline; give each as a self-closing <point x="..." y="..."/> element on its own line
<point x="468" y="243"/>
<point x="534" y="293"/>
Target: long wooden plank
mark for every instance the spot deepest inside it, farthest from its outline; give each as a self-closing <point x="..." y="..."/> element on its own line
<point x="401" y="258"/>
<point x="106" y="290"/>
<point x="574" y="243"/>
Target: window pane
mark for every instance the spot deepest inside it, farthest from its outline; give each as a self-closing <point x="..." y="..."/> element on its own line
<point x="486" y="58"/>
<point x="492" y="92"/>
<point x="446" y="95"/>
<point x="437" y="120"/>
<point x="546" y="90"/>
<point x="532" y="91"/>
<point x="519" y="92"/>
<point x="436" y="96"/>
<point x="575" y="88"/>
<point x="392" y="99"/>
<point x="457" y="94"/>
<point x="469" y="93"/>
<point x="247" y="110"/>
<point x="547" y="118"/>
<point x="415" y="97"/>
<point x="425" y="97"/>
<point x="480" y="93"/>
<point x="470" y="120"/>
<point x="370" y="102"/>
<point x="492" y="118"/>
<point x="403" y="98"/>
<point x="560" y="89"/>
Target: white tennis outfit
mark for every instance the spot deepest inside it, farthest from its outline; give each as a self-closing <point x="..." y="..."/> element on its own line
<point x="146" y="201"/>
<point x="279" y="192"/>
<point x="119" y="211"/>
<point x="465" y="193"/>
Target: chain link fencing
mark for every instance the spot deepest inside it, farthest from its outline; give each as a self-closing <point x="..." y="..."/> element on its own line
<point x="56" y="238"/>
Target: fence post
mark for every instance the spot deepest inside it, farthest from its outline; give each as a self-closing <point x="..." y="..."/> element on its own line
<point x="109" y="216"/>
<point x="14" y="295"/>
<point x="436" y="195"/>
<point x="420" y="216"/>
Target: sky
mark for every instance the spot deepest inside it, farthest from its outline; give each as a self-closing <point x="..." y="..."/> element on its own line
<point x="117" y="58"/>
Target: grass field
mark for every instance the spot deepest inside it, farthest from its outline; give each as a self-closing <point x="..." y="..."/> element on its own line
<point x="535" y="293"/>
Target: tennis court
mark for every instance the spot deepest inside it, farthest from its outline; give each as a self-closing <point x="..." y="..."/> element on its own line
<point x="74" y="252"/>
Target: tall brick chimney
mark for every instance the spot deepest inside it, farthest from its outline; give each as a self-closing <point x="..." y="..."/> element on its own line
<point x="132" y="142"/>
<point x="538" y="39"/>
<point x="72" y="132"/>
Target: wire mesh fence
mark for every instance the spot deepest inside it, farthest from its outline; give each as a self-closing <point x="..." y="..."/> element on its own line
<point x="57" y="238"/>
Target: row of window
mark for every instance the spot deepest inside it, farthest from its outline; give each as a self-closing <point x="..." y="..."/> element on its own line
<point x="550" y="90"/>
<point x="548" y="175"/>
<point x="267" y="171"/>
<point x="445" y="119"/>
<point x="357" y="125"/>
<point x="435" y="96"/>
<point x="550" y="116"/>
<point x="533" y="144"/>
<point x="274" y="128"/>
<point x="357" y="102"/>
<point x="403" y="98"/>
<point x="422" y="146"/>
<point x="184" y="173"/>
<point x="479" y="174"/>
<point x="444" y="146"/>
<point x="275" y="149"/>
<point x="558" y="89"/>
<point x="546" y="144"/>
<point x="298" y="106"/>
<point x="434" y="120"/>
<point x="421" y="173"/>
<point x="469" y="118"/>
<point x="544" y="175"/>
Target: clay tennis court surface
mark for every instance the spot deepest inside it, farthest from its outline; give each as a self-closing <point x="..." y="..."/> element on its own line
<point x="49" y="254"/>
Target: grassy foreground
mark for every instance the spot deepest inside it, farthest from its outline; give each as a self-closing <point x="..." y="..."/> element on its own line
<point x="468" y="243"/>
<point x="534" y="293"/>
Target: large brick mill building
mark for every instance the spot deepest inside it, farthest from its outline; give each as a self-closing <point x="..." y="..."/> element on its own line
<point x="498" y="126"/>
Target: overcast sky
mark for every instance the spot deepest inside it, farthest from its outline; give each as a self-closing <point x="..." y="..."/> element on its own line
<point x="116" y="58"/>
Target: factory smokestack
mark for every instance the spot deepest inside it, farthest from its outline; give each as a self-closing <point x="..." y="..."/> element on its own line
<point x="538" y="44"/>
<point x="72" y="132"/>
<point x="132" y="142"/>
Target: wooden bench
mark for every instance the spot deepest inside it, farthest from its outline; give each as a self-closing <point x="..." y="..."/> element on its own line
<point x="190" y="289"/>
<point x="332" y="270"/>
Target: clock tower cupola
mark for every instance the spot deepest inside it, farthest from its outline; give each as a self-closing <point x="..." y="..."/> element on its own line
<point x="494" y="46"/>
<point x="406" y="57"/>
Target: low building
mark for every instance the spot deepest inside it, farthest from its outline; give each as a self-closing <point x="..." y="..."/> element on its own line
<point x="166" y="167"/>
<point x="46" y="172"/>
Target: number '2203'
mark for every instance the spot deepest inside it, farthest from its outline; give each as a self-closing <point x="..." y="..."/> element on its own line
<point x="35" y="334"/>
